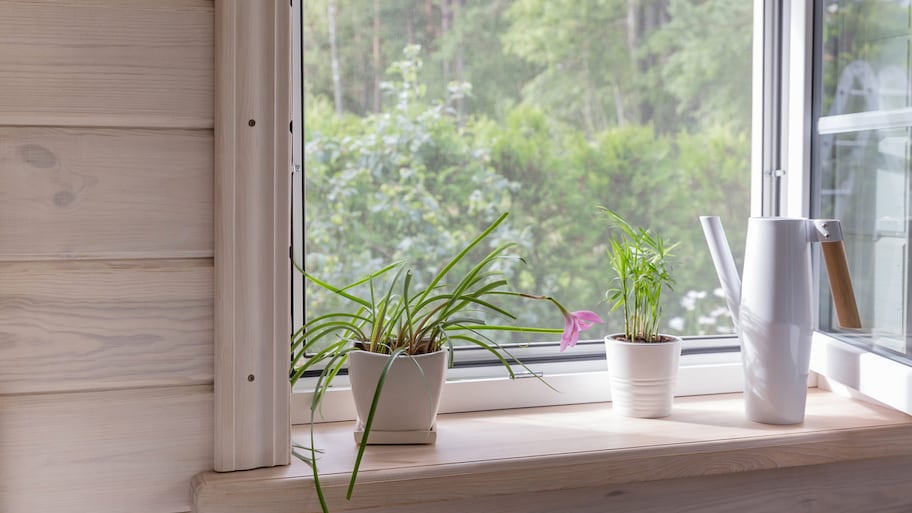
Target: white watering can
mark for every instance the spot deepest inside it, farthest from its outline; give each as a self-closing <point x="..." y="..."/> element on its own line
<point x="774" y="310"/>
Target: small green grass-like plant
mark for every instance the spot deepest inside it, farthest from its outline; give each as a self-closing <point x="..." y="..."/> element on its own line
<point x="402" y="320"/>
<point x="639" y="260"/>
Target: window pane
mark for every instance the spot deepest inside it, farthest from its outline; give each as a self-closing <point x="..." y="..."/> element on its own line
<point x="426" y="119"/>
<point x="864" y="164"/>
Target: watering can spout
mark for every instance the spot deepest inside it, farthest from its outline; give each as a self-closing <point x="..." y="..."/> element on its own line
<point x="724" y="263"/>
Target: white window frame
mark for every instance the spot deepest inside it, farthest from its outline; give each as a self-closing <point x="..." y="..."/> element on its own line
<point x="845" y="367"/>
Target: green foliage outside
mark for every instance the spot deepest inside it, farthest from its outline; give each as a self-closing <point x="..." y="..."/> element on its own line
<point x="545" y="109"/>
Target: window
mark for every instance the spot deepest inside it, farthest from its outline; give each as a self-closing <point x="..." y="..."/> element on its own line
<point x="862" y="105"/>
<point x="426" y="118"/>
<point x="864" y="114"/>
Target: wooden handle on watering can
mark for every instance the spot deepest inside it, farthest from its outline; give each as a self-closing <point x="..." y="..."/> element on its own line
<point x="837" y="265"/>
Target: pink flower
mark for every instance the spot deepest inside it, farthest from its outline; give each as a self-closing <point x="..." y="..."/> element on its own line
<point x="574" y="323"/>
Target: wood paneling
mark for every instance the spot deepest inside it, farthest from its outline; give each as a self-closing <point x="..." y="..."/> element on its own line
<point x="115" y="63"/>
<point x="104" y="452"/>
<point x="78" y="193"/>
<point x="106" y="246"/>
<point x="514" y="460"/>
<point x="80" y="325"/>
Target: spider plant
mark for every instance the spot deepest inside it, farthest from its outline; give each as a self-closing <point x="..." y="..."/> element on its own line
<point x="639" y="260"/>
<point x="397" y="318"/>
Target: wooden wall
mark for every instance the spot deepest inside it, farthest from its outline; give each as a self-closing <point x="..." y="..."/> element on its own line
<point x="106" y="276"/>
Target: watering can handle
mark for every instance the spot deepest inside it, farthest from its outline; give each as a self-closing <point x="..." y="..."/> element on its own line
<point x="837" y="265"/>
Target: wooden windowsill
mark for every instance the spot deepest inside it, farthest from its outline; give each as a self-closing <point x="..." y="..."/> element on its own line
<point x="527" y="451"/>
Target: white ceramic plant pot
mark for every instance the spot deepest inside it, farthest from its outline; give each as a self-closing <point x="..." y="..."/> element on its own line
<point x="407" y="411"/>
<point x="642" y="376"/>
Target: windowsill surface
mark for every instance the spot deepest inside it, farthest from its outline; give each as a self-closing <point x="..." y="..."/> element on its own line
<point x="523" y="451"/>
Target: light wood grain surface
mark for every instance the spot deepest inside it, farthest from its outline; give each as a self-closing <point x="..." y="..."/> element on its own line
<point x="252" y="234"/>
<point x="96" y="193"/>
<point x="513" y="453"/>
<point x="115" y="63"/>
<point x="106" y="253"/>
<point x="868" y="486"/>
<point x="86" y="325"/>
<point x="103" y="452"/>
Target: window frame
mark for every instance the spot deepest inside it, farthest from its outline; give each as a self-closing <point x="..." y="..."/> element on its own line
<point x="585" y="380"/>
<point x="844" y="367"/>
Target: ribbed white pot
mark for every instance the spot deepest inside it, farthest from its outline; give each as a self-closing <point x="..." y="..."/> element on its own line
<point x="642" y="376"/>
<point x="410" y="397"/>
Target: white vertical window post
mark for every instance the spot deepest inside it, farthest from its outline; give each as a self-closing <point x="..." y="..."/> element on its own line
<point x="252" y="233"/>
<point x="781" y="109"/>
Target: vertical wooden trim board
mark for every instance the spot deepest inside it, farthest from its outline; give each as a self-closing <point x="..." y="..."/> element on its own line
<point x="252" y="216"/>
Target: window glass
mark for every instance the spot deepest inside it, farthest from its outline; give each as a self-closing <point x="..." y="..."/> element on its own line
<point x="426" y="119"/>
<point x="863" y="163"/>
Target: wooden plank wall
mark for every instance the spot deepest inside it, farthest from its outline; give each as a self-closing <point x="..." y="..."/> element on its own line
<point x="106" y="276"/>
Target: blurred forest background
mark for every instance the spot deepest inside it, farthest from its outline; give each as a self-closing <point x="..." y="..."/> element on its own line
<point x="425" y="119"/>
